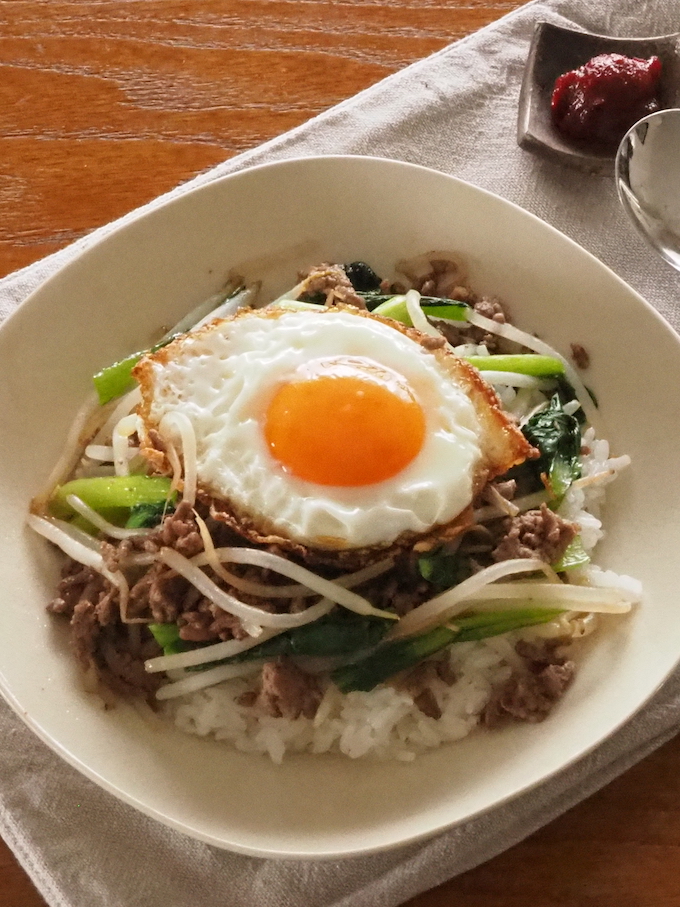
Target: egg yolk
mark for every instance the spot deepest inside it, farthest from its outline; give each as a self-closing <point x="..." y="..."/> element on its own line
<point x="344" y="422"/>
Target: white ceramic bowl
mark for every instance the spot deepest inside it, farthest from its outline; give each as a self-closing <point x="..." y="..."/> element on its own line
<point x="268" y="222"/>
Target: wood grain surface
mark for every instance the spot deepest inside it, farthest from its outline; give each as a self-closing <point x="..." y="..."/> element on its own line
<point x="104" y="105"/>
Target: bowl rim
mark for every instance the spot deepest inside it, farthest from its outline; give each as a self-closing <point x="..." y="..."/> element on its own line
<point x="102" y="782"/>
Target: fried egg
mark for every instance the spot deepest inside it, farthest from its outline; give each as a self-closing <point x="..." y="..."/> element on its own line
<point x="332" y="429"/>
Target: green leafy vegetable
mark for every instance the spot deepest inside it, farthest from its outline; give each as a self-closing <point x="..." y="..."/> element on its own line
<point x="146" y="516"/>
<point x="111" y="494"/>
<point x="574" y="556"/>
<point x="398" y="655"/>
<point x="443" y="570"/>
<point x="362" y="276"/>
<point x="558" y="438"/>
<point x="566" y="393"/>
<point x="339" y="633"/>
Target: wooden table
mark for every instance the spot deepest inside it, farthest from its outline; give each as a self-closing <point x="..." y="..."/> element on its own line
<point x="104" y="105"/>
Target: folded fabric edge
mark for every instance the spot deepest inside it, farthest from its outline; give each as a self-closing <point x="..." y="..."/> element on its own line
<point x="38" y="875"/>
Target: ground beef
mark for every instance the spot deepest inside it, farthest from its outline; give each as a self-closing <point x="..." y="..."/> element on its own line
<point x="419" y="682"/>
<point x="536" y="533"/>
<point x="433" y="343"/>
<point x="531" y="692"/>
<point x="165" y="597"/>
<point x="402" y="589"/>
<point x="158" y="594"/>
<point x="580" y="355"/>
<point x="332" y="282"/>
<point x="122" y="669"/>
<point x="489" y="308"/>
<point x="98" y="638"/>
<point x="75" y="579"/>
<point x="205" y="622"/>
<point x="287" y="691"/>
<point x="493" y="310"/>
<point x="85" y="629"/>
<point x="178" y="531"/>
<point x="441" y="280"/>
<point x="92" y="603"/>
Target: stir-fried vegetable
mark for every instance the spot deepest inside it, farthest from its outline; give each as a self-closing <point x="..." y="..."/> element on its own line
<point x="168" y="638"/>
<point x="362" y="277"/>
<point x="575" y="556"/>
<point x="146" y="515"/>
<point x="522" y="363"/>
<point x="116" y="379"/>
<point x="107" y="494"/>
<point x="399" y="654"/>
<point x="558" y="437"/>
<point x="338" y="633"/>
<point x="443" y="570"/>
<point x="395" y="307"/>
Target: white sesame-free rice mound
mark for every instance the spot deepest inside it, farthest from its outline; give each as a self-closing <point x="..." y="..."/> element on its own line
<point x="384" y="723"/>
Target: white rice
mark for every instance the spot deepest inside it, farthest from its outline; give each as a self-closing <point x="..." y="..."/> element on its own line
<point x="384" y="724"/>
<point x="583" y="505"/>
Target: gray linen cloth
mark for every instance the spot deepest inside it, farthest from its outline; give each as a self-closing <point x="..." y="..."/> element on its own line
<point x="456" y="112"/>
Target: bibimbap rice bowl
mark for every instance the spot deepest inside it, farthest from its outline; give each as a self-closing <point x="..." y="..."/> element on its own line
<point x="357" y="518"/>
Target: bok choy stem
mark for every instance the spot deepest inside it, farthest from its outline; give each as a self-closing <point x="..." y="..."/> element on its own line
<point x="522" y="363"/>
<point x="110" y="493"/>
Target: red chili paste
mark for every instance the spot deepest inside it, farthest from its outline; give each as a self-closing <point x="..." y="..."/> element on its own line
<point x="600" y="101"/>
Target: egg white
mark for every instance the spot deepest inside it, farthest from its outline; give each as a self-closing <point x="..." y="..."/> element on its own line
<point x="223" y="378"/>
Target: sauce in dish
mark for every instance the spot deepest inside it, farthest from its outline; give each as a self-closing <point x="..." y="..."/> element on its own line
<point x="597" y="103"/>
